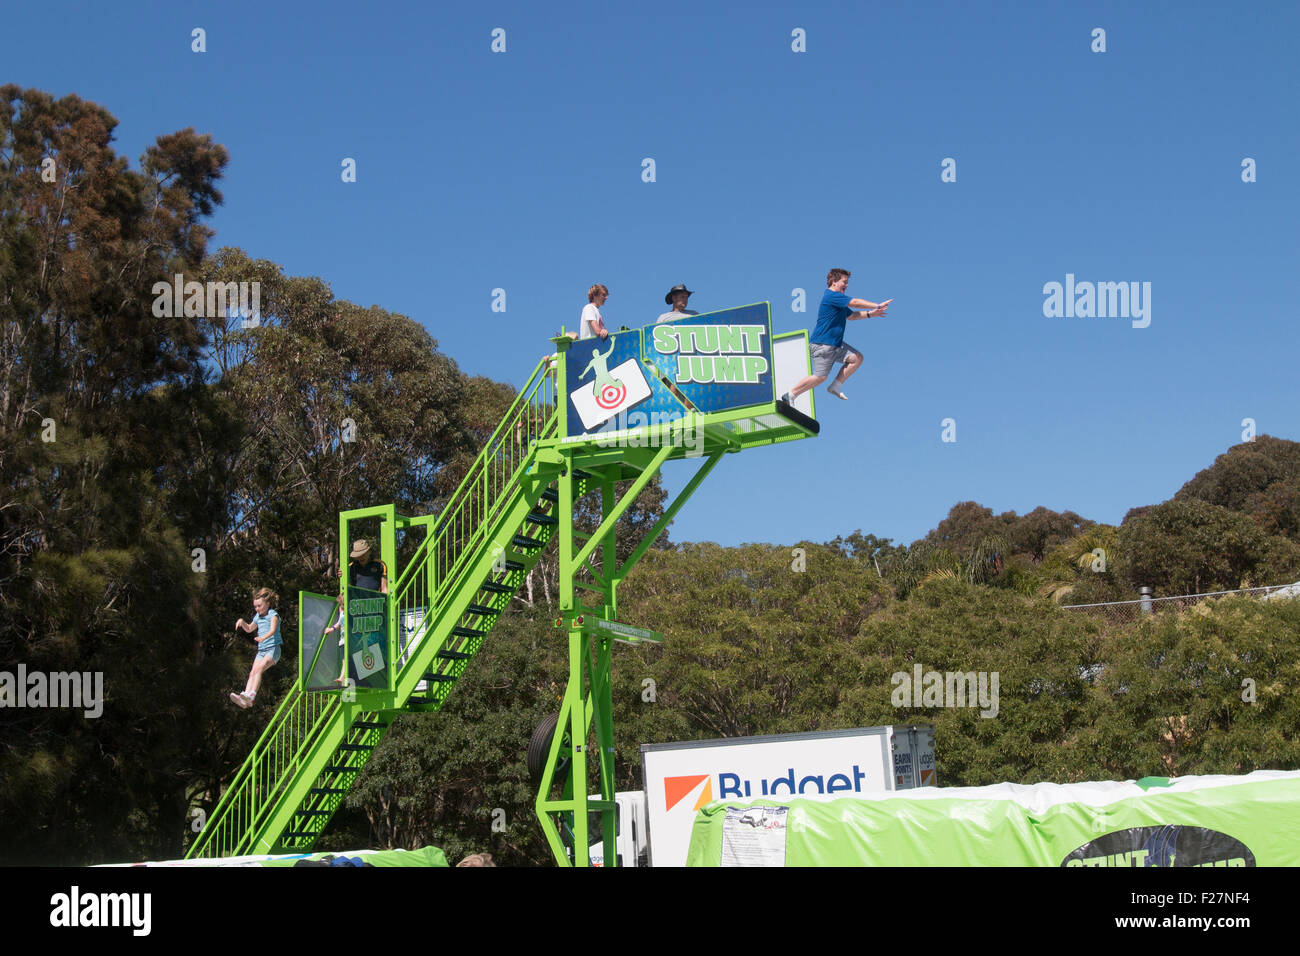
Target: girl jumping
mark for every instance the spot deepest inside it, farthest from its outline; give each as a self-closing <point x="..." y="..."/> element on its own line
<point x="267" y="624"/>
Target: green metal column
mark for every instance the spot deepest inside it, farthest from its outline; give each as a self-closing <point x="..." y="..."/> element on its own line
<point x="602" y="683"/>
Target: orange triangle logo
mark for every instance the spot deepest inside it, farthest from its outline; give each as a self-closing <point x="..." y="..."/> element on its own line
<point x="677" y="787"/>
<point x="706" y="795"/>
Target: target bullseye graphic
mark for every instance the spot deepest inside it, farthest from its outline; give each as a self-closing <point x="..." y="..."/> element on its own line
<point x="611" y="395"/>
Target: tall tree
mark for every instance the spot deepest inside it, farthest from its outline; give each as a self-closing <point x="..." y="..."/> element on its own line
<point x="99" y="399"/>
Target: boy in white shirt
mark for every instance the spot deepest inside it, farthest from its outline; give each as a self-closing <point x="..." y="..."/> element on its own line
<point x="592" y="323"/>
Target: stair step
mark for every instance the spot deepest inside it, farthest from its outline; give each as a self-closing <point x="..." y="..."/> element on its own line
<point x="340" y="768"/>
<point x="438" y="678"/>
<point x="482" y="610"/>
<point x="514" y="566"/>
<point x="494" y="588"/>
<point x="368" y="725"/>
<point x="365" y="747"/>
<point x="467" y="632"/>
<point x="538" y="518"/>
<point x="580" y="474"/>
<point x="523" y="541"/>
<point x="551" y="494"/>
<point x="454" y="655"/>
<point x="290" y="836"/>
<point x="419" y="700"/>
<point x="312" y="813"/>
<point x="326" y="790"/>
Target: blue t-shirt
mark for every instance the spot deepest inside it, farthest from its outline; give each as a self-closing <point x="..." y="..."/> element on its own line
<point x="264" y="623"/>
<point x="832" y="315"/>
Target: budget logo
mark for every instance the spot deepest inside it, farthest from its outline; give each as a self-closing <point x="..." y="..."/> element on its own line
<point x="611" y="391"/>
<point x="677" y="788"/>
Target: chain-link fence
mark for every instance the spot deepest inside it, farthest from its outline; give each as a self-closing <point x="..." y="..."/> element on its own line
<point x="1130" y="612"/>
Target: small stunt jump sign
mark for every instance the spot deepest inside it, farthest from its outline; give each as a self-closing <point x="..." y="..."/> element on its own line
<point x="613" y="391"/>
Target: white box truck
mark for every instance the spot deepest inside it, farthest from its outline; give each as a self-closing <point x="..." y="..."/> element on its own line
<point x="654" y="824"/>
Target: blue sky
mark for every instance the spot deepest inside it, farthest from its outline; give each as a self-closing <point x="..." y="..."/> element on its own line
<point x="522" y="170"/>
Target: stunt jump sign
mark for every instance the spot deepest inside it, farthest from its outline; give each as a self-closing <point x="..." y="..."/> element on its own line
<point x="707" y="363"/>
<point x="367" y="635"/>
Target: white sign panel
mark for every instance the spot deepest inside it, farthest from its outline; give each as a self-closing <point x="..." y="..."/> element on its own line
<point x="679" y="781"/>
<point x="626" y="386"/>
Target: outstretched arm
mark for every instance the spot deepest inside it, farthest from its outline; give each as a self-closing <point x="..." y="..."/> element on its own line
<point x="871" y="308"/>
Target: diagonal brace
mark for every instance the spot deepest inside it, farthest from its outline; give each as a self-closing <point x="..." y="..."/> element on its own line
<point x="607" y="526"/>
<point x="669" y="513"/>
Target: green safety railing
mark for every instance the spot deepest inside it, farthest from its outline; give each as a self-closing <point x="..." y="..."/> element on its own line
<point x="265" y="776"/>
<point x="433" y="576"/>
<point x="436" y="571"/>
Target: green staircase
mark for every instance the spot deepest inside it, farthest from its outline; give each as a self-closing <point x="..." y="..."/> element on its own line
<point x="454" y="584"/>
<point x="474" y="556"/>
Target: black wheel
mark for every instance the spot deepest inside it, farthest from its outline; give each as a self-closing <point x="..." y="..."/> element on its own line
<point x="539" y="747"/>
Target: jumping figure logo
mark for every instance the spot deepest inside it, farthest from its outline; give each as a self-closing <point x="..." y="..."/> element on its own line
<point x="608" y="391"/>
<point x="612" y="390"/>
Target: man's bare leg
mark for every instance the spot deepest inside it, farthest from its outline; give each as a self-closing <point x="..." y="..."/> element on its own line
<point x="851" y="365"/>
<point x="804" y="385"/>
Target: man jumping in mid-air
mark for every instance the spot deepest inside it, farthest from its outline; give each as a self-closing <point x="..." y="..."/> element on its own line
<point x="827" y="345"/>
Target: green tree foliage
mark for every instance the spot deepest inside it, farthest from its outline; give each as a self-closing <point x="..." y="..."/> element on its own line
<point x="1245" y="470"/>
<point x="95" y="525"/>
<point x="1087" y="569"/>
<point x="1211" y="690"/>
<point x="999" y="550"/>
<point x="752" y="644"/>
<point x="345" y="407"/>
<point x="1036" y="533"/>
<point x="1042" y="657"/>
<point x="970" y="525"/>
<point x="1277" y="508"/>
<point x="192" y="460"/>
<point x="880" y="553"/>
<point x="1186" y="546"/>
<point x="340" y="407"/>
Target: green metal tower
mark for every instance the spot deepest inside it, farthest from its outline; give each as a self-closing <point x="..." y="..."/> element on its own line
<point x="601" y="418"/>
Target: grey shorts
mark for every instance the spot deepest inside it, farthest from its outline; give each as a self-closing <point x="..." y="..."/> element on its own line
<point x="273" y="653"/>
<point x="824" y="356"/>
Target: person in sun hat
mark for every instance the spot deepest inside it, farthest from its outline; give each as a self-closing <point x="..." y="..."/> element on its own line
<point x="364" y="572"/>
<point x="677" y="297"/>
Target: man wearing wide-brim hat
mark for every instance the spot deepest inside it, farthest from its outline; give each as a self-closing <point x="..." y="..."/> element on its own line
<point x="677" y="297"/>
<point x="363" y="572"/>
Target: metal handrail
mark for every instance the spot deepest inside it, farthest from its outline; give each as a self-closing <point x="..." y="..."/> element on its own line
<point x="277" y="756"/>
